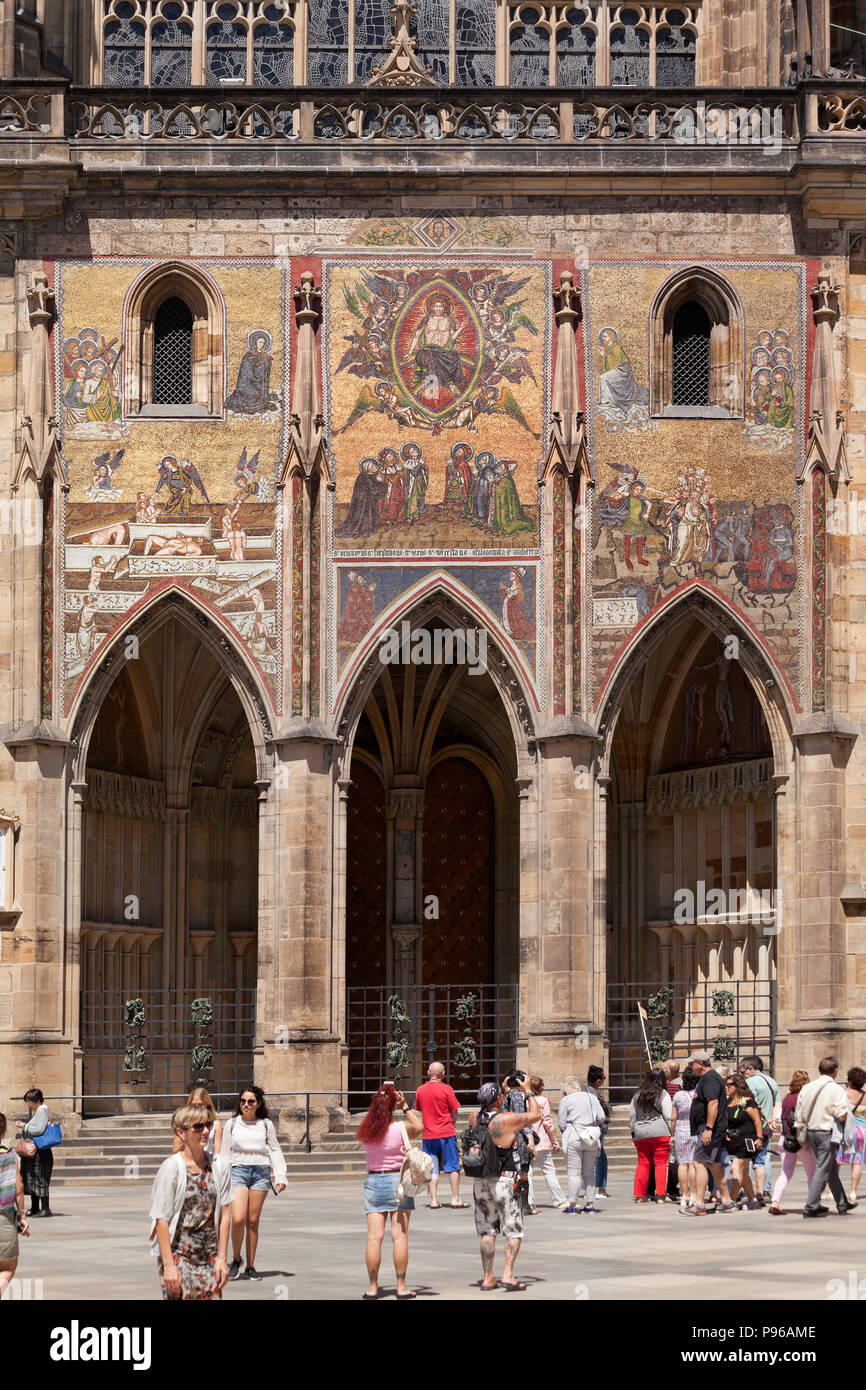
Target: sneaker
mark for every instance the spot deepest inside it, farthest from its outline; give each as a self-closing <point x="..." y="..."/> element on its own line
<point x="589" y="1211"/>
<point x="569" y="1211"/>
<point x="728" y="1207"/>
<point x="683" y="1204"/>
<point x="852" y="1199"/>
<point x="754" y="1204"/>
<point x="601" y="1196"/>
<point x="235" y="1269"/>
<point x="565" y="1206"/>
<point x="253" y="1273"/>
<point x="693" y="1211"/>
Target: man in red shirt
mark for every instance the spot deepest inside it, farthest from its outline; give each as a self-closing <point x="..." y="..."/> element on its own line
<point x="438" y="1106"/>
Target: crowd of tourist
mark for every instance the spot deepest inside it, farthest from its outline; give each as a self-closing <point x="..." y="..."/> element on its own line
<point x="703" y="1139"/>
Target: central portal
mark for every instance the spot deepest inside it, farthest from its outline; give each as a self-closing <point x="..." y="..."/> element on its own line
<point x="432" y="891"/>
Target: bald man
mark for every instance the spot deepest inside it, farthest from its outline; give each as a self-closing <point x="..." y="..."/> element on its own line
<point x="438" y="1106"/>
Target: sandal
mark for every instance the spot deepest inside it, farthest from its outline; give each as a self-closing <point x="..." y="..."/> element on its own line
<point x="434" y="1206"/>
<point x="488" y="1288"/>
<point x="513" y="1288"/>
<point x="402" y="1297"/>
<point x="370" y="1297"/>
<point x="455" y="1206"/>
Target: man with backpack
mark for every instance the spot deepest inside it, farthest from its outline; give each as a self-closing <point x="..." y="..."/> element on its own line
<point x="769" y="1098"/>
<point x="488" y="1158"/>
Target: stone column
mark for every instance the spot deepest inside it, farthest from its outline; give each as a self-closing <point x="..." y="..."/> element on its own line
<point x="563" y="975"/>
<point x="405" y="830"/>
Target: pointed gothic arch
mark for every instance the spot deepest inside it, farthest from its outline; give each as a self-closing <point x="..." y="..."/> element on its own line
<point x="199" y="293"/>
<point x="714" y="297"/>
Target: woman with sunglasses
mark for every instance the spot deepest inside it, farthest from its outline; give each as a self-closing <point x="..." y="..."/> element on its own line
<point x="190" y="1213"/>
<point x="199" y="1096"/>
<point x="251" y="1149"/>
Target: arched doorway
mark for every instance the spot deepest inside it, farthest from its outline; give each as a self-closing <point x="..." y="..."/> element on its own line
<point x="432" y="884"/>
<point x="691" y="856"/>
<point x="169" y="876"/>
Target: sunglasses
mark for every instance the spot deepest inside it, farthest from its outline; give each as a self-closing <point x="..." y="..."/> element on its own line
<point x="249" y="1102"/>
<point x="206" y="1124"/>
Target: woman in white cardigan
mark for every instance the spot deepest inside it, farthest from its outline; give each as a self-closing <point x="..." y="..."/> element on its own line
<point x="190" y="1213"/>
<point x="251" y="1149"/>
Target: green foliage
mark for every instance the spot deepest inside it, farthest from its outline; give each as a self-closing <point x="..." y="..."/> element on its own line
<point x="659" y="1004"/>
<point x="659" y="1048"/>
<point x="723" y="1003"/>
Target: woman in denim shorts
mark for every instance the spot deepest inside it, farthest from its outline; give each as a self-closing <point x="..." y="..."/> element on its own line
<point x="382" y="1138"/>
<point x="249" y="1145"/>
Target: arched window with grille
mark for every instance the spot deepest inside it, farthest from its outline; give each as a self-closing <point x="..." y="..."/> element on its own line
<point x="676" y="48"/>
<point x="529" y="46"/>
<point x="171" y="49"/>
<point x="575" y="50"/>
<point x="629" y="51"/>
<point x="123" y="48"/>
<point x="328" y="43"/>
<point x="274" y="50"/>
<point x="372" y="34"/>
<point x="172" y="353"/>
<point x="475" y="43"/>
<point x="174" y="326"/>
<point x="225" y="47"/>
<point x="696" y="347"/>
<point x="433" y="19"/>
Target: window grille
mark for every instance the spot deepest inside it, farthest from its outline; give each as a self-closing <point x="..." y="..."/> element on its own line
<point x="691" y="355"/>
<point x="530" y="51"/>
<point x="433" y="18"/>
<point x="123" y="59"/>
<point x="372" y="34"/>
<point x="171" y="50"/>
<point x="328" y="54"/>
<point x="629" y="52"/>
<point x="273" y="51"/>
<point x="475" y="43"/>
<point x="675" y="53"/>
<point x="226" y="49"/>
<point x="575" y="51"/>
<point x="172" y="353"/>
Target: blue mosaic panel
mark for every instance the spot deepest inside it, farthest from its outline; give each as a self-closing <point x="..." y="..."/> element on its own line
<point x="373" y="29"/>
<point x="629" y="52"/>
<point x="433" y="31"/>
<point x="476" y="43"/>
<point x="328" y="45"/>
<point x="530" y="52"/>
<point x="575" y="52"/>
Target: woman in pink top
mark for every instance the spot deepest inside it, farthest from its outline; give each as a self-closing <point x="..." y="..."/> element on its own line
<point x="545" y="1146"/>
<point x="382" y="1138"/>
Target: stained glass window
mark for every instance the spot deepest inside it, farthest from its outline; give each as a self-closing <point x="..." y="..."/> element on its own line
<point x="171" y="50"/>
<point x="328" y="48"/>
<point x="675" y="53"/>
<point x="433" y="29"/>
<point x="123" y="62"/>
<point x="575" y="51"/>
<point x="629" y="52"/>
<point x="273" y="52"/>
<point x="372" y="31"/>
<point x="530" y="52"/>
<point x="226" y="50"/>
<point x="476" y="43"/>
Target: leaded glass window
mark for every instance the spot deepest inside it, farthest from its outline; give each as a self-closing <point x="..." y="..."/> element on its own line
<point x="273" y="52"/>
<point x="530" y="51"/>
<point x="172" y="353"/>
<point x="629" y="52"/>
<point x="675" y="53"/>
<point x="476" y="43"/>
<point x="575" y="51"/>
<point x="170" y="50"/>
<point x="226" y="48"/>
<point x="373" y="29"/>
<point x="123" y="60"/>
<point x="691" y="355"/>
<point x="328" y="47"/>
<point x="433" y="31"/>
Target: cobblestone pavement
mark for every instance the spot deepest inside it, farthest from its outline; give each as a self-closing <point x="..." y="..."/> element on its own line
<point x="312" y="1247"/>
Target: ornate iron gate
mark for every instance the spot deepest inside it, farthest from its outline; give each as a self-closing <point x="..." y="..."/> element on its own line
<point x="727" y="1019"/>
<point x="395" y="1034"/>
<point x="162" y="1042"/>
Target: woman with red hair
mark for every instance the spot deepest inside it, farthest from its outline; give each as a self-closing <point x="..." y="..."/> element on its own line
<point x="383" y="1138"/>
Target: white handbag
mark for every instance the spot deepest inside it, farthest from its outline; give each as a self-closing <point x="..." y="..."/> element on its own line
<point x="417" y="1168"/>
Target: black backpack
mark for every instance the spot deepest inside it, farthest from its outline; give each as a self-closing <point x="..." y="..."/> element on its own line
<point x="789" y="1133"/>
<point x="480" y="1159"/>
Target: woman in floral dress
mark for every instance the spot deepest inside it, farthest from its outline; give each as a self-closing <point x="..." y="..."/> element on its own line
<point x="190" y="1212"/>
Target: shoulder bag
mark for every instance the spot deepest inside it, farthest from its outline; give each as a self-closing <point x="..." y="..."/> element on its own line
<point x="49" y="1138"/>
<point x="417" y="1168"/>
<point x="801" y="1130"/>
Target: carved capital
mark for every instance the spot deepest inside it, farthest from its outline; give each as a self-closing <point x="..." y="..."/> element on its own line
<point x="40" y="300"/>
<point x="825" y="299"/>
<point x="404" y="942"/>
<point x="308" y="300"/>
<point x="567" y="298"/>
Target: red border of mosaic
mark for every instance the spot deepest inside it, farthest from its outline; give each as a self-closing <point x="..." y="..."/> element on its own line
<point x="297" y="595"/>
<point x="558" y="541"/>
<point x="819" y="588"/>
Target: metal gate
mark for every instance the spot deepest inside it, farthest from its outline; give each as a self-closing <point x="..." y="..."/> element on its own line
<point x="729" y="1020"/>
<point x="395" y="1034"/>
<point x="163" y="1042"/>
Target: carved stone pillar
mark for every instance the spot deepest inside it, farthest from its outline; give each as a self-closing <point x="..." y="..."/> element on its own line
<point x="405" y="829"/>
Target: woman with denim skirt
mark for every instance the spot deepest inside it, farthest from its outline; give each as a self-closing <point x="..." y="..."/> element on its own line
<point x="250" y="1147"/>
<point x="383" y="1140"/>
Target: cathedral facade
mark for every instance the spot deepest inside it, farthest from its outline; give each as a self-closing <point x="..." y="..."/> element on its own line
<point x="433" y="538"/>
